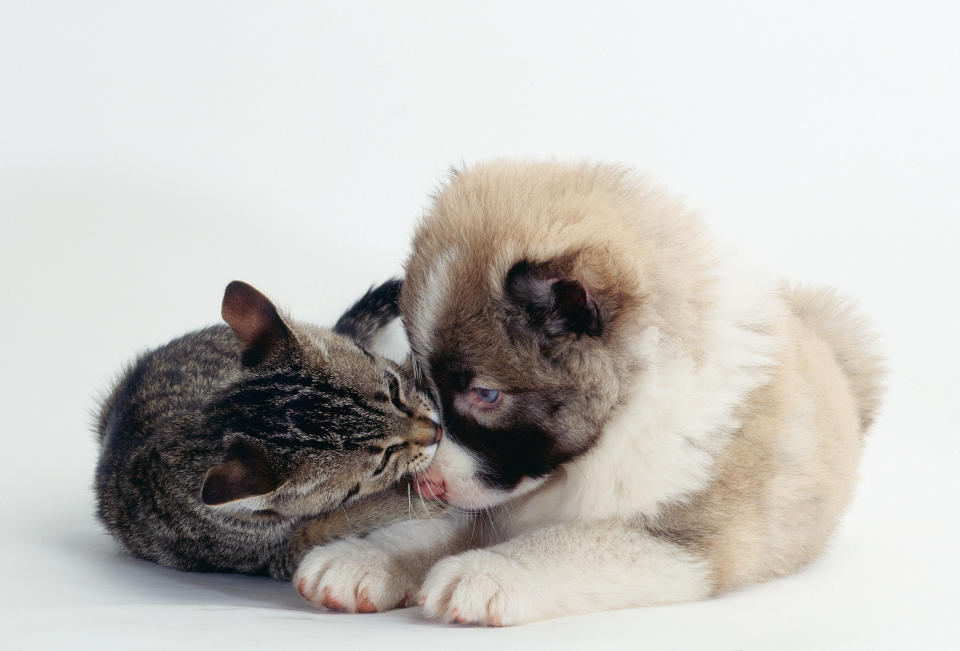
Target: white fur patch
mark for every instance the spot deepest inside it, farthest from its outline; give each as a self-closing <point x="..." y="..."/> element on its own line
<point x="661" y="445"/>
<point x="426" y="310"/>
<point x="244" y="504"/>
<point x="353" y="575"/>
<point x="391" y="342"/>
<point x="562" y="570"/>
<point x="379" y="572"/>
<point x="456" y="467"/>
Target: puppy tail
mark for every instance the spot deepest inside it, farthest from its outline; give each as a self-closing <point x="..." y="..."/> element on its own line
<point x="851" y="336"/>
<point x="371" y="313"/>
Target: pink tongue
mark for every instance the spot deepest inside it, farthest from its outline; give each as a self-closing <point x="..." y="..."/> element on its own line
<point x="429" y="487"/>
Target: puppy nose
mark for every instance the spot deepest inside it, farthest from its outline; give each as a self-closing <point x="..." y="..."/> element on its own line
<point x="430" y="487"/>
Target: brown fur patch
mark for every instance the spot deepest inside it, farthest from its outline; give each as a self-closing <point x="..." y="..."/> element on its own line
<point x="776" y="488"/>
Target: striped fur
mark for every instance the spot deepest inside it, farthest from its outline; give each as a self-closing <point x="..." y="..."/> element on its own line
<point x="208" y="464"/>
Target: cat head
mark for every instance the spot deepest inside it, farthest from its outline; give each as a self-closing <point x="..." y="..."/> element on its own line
<point x="314" y="421"/>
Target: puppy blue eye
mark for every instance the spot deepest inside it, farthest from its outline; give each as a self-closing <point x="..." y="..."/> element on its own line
<point x="486" y="395"/>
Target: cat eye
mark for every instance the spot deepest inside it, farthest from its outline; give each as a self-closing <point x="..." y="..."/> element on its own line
<point x="485" y="397"/>
<point x="387" y="454"/>
<point x="393" y="386"/>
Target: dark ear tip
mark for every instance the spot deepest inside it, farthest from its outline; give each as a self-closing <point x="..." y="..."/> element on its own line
<point x="230" y="294"/>
<point x="235" y="285"/>
<point x="240" y="298"/>
<point x="254" y="320"/>
<point x="235" y="293"/>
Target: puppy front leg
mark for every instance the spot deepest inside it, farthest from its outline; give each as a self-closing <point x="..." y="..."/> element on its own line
<point x="563" y="570"/>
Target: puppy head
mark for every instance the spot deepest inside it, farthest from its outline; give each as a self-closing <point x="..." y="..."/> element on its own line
<point x="515" y="309"/>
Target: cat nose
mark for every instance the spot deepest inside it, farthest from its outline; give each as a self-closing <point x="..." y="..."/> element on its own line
<point x="427" y="433"/>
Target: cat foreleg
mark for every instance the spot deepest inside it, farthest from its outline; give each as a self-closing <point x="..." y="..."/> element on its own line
<point x="380" y="571"/>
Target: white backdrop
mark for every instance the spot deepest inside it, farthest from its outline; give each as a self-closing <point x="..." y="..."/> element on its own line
<point x="151" y="152"/>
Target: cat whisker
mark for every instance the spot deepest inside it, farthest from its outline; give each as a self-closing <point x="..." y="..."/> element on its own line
<point x="506" y="508"/>
<point x="425" y="509"/>
<point x="486" y="511"/>
<point x="433" y="496"/>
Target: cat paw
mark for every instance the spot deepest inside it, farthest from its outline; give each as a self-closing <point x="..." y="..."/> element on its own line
<point x="353" y="576"/>
<point x="476" y="587"/>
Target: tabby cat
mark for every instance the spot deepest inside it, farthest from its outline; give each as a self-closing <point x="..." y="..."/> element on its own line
<point x="236" y="449"/>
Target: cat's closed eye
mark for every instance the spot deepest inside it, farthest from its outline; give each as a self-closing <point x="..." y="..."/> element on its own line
<point x="388" y="452"/>
<point x="393" y="394"/>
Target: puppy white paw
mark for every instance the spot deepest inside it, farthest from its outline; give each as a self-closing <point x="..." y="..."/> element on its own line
<point x="477" y="587"/>
<point x="354" y="575"/>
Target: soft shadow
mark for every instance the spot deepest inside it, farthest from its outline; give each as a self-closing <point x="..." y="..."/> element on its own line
<point x="131" y="579"/>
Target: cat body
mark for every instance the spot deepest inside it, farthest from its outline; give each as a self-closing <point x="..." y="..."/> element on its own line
<point x="635" y="419"/>
<point x="228" y="448"/>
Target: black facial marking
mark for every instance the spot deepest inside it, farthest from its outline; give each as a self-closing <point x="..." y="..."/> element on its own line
<point x="575" y="310"/>
<point x="554" y="305"/>
<point x="508" y="455"/>
<point x="520" y="446"/>
<point x="456" y="375"/>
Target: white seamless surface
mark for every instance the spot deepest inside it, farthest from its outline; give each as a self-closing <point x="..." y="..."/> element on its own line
<point x="149" y="154"/>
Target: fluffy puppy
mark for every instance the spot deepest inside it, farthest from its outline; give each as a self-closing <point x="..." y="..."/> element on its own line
<point x="629" y="420"/>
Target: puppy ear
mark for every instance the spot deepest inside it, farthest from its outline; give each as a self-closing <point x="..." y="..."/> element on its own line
<point x="255" y="322"/>
<point x="246" y="473"/>
<point x="557" y="306"/>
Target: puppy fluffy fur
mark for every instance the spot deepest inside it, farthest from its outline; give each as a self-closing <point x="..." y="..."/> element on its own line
<point x="669" y="426"/>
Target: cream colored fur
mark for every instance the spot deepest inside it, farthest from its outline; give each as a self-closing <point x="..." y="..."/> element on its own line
<point x="727" y="456"/>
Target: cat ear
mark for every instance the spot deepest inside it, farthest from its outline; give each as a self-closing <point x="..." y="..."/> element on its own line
<point x="246" y="473"/>
<point x="255" y="322"/>
<point x="557" y="306"/>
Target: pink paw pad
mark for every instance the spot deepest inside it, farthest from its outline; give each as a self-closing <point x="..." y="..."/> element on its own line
<point x="330" y="602"/>
<point x="364" y="605"/>
<point x="302" y="588"/>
